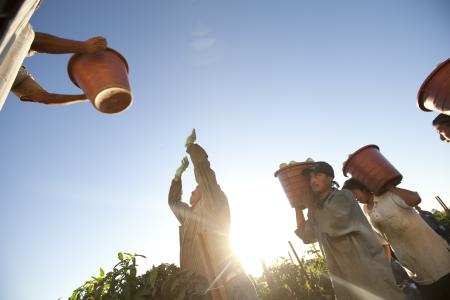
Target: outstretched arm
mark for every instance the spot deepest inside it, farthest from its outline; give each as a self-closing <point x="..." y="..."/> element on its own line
<point x="202" y="168"/>
<point x="47" y="43"/>
<point x="54" y="99"/>
<point x="204" y="175"/>
<point x="179" y="208"/>
<point x="212" y="196"/>
<point x="27" y="89"/>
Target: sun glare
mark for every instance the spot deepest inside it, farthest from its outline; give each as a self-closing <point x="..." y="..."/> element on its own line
<point x="261" y="226"/>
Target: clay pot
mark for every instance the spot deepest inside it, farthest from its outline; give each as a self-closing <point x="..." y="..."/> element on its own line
<point x="295" y="184"/>
<point x="372" y="169"/>
<point x="434" y="94"/>
<point x="103" y="76"/>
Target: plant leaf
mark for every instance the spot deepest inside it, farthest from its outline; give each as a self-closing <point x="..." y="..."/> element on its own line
<point x="153" y="277"/>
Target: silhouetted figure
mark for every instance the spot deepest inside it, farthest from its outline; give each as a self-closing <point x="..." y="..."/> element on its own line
<point x="204" y="231"/>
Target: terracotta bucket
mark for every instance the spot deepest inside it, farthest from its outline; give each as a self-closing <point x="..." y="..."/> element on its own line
<point x="434" y="94"/>
<point x="103" y="76"/>
<point x="372" y="169"/>
<point x="295" y="184"/>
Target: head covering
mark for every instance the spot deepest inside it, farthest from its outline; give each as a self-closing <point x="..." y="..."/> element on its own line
<point x="320" y="167"/>
<point x="351" y="184"/>
<point x="441" y="119"/>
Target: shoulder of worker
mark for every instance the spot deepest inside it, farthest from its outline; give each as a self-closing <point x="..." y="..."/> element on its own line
<point x="340" y="197"/>
<point x="390" y="196"/>
<point x="343" y="194"/>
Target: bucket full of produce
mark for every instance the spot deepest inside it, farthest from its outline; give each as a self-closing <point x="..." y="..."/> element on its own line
<point x="295" y="184"/>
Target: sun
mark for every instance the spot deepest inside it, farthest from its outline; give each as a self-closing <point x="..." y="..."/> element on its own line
<point x="261" y="226"/>
<point x="250" y="251"/>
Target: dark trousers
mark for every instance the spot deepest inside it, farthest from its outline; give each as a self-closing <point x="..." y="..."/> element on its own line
<point x="437" y="290"/>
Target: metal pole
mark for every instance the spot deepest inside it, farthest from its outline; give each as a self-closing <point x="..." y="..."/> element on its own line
<point x="290" y="257"/>
<point x="295" y="253"/>
<point x="302" y="267"/>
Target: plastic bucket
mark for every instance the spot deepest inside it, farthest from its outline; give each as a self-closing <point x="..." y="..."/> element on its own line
<point x="434" y="93"/>
<point x="103" y="76"/>
<point x="372" y="169"/>
<point x="295" y="184"/>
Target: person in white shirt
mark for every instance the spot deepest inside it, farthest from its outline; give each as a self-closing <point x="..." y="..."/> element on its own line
<point x="422" y="252"/>
<point x="19" y="41"/>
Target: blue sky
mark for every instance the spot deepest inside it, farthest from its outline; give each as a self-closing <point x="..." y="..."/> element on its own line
<point x="263" y="82"/>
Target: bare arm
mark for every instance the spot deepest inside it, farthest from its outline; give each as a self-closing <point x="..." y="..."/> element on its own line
<point x="46" y="43"/>
<point x="27" y="89"/>
<point x="54" y="99"/>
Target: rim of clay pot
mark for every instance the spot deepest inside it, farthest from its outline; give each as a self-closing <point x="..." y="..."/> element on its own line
<point x="293" y="165"/>
<point x="420" y="99"/>
<point x="344" y="167"/>
<point x="76" y="55"/>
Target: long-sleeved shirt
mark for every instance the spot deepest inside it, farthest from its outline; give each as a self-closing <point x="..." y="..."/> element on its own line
<point x="357" y="264"/>
<point x="204" y="230"/>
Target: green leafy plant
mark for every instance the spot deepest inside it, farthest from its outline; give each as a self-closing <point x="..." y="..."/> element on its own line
<point x="164" y="282"/>
<point x="284" y="280"/>
<point x="442" y="217"/>
<point x="289" y="281"/>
